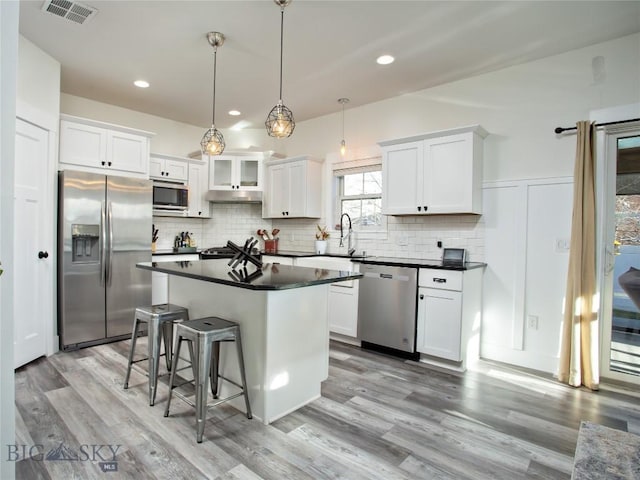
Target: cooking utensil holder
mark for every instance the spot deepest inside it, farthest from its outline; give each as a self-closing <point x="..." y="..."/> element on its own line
<point x="271" y="246"/>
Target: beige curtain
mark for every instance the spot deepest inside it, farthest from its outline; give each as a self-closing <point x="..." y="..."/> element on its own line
<point x="579" y="362"/>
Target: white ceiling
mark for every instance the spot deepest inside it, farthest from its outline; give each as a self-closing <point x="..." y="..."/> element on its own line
<point x="330" y="49"/>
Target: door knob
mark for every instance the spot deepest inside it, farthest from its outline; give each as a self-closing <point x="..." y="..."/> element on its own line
<point x="43" y="254"/>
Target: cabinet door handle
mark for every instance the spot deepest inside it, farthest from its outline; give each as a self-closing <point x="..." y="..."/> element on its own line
<point x="102" y="163"/>
<point x="43" y="254"/>
<point x="422" y="296"/>
<point x="199" y="213"/>
<point x="439" y="280"/>
<point x="419" y="208"/>
<point x="425" y="208"/>
<point x="109" y="163"/>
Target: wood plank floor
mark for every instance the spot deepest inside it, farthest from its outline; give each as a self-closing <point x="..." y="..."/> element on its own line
<point x="378" y="418"/>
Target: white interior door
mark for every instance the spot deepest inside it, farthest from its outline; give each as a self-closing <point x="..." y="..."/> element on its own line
<point x="33" y="310"/>
<point x="620" y="253"/>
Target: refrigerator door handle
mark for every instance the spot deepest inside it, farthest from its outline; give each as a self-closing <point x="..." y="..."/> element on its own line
<point x="110" y="261"/>
<point x="103" y="244"/>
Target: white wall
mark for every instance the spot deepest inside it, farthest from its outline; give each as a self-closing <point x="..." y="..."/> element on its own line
<point x="519" y="106"/>
<point x="527" y="225"/>
<point x="172" y="138"/>
<point x="8" y="67"/>
<point x="38" y="95"/>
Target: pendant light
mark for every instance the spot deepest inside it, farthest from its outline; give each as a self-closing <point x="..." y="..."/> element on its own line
<point x="212" y="142"/>
<point x="343" y="145"/>
<point x="280" y="123"/>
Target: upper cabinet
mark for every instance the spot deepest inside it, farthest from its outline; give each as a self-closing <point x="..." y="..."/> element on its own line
<point x="199" y="206"/>
<point x="99" y="147"/>
<point x="168" y="168"/>
<point x="293" y="188"/>
<point x="434" y="173"/>
<point x="236" y="172"/>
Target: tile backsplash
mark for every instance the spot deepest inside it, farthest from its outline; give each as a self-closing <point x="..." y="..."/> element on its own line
<point x="406" y="236"/>
<point x="232" y="221"/>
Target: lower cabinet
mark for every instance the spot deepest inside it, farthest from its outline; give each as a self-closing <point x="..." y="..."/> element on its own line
<point x="343" y="296"/>
<point x="449" y="314"/>
<point x="439" y="323"/>
<point x="160" y="281"/>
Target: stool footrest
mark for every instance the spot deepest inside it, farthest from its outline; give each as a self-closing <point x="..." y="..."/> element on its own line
<point x="190" y="402"/>
<point x="230" y="381"/>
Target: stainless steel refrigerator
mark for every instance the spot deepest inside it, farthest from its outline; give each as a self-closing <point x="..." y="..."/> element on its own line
<point x="104" y="228"/>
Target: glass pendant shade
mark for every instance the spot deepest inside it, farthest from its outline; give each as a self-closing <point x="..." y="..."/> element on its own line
<point x="212" y="142"/>
<point x="343" y="148"/>
<point x="280" y="123"/>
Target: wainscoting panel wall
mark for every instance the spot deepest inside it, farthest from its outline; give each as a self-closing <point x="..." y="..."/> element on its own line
<point x="527" y="226"/>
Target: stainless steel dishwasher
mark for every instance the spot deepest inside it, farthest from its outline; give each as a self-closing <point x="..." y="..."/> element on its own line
<point x="387" y="309"/>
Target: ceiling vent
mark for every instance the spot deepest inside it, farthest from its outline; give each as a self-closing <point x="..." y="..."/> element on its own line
<point x="73" y="11"/>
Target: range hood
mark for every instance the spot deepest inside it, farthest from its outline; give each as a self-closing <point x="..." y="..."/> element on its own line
<point x="234" y="196"/>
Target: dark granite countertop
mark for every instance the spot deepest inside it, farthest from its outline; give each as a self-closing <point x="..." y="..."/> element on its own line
<point x="169" y="251"/>
<point x="292" y="253"/>
<point x="270" y="277"/>
<point x="393" y="261"/>
<point x="417" y="262"/>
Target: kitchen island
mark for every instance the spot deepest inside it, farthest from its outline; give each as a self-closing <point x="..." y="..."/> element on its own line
<point x="282" y="312"/>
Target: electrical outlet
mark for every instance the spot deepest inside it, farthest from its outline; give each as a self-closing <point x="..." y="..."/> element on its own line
<point x="562" y="245"/>
<point x="439" y="243"/>
<point x="532" y="322"/>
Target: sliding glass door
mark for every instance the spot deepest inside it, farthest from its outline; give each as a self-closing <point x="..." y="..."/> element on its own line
<point x="620" y="255"/>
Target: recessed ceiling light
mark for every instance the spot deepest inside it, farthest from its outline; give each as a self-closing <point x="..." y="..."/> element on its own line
<point x="385" y="59"/>
<point x="235" y="113"/>
<point x="141" y="83"/>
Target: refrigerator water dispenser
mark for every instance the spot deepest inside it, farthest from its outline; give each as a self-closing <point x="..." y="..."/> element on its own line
<point x="85" y="243"/>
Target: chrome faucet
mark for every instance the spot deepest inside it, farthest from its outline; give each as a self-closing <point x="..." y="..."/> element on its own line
<point x="350" y="250"/>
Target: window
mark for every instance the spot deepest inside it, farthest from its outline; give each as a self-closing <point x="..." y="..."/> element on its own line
<point x="359" y="194"/>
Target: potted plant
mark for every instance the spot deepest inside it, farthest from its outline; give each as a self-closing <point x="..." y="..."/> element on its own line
<point x="321" y="240"/>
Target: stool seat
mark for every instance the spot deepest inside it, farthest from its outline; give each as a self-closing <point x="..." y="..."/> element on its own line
<point x="204" y="336"/>
<point x="167" y="311"/>
<point x="160" y="320"/>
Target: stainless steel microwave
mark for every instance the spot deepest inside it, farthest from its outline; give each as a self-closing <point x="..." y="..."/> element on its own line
<point x="170" y="197"/>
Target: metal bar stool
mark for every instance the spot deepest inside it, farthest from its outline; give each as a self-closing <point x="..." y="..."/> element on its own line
<point x="160" y="320"/>
<point x="204" y="335"/>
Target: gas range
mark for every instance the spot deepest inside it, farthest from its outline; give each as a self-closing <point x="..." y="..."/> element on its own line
<point x="216" y="252"/>
<point x="219" y="252"/>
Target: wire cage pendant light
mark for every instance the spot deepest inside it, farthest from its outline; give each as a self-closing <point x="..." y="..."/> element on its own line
<point x="280" y="122"/>
<point x="343" y="145"/>
<point x="212" y="142"/>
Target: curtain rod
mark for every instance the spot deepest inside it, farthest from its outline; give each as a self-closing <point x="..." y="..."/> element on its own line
<point x="561" y="129"/>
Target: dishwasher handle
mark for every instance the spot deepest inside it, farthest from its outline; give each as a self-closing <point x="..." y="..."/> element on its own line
<point x="387" y="276"/>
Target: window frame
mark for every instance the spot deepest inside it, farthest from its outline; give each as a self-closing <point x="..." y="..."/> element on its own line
<point x="349" y="168"/>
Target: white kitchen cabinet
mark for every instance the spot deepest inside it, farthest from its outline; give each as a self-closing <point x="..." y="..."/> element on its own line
<point x="276" y="259"/>
<point x="236" y="172"/>
<point x="434" y="173"/>
<point x="160" y="281"/>
<point x="293" y="188"/>
<point x="98" y="147"/>
<point x="343" y="296"/>
<point x="449" y="315"/>
<point x="199" y="206"/>
<point x="168" y="168"/>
